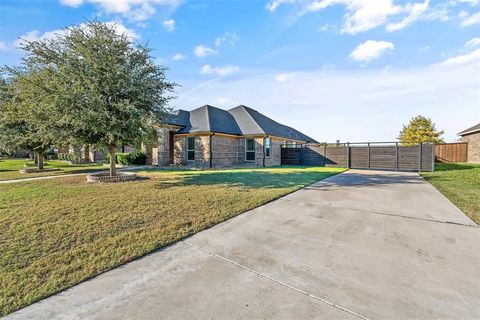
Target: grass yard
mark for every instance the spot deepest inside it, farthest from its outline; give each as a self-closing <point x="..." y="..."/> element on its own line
<point x="56" y="233"/>
<point x="9" y="168"/>
<point x="459" y="182"/>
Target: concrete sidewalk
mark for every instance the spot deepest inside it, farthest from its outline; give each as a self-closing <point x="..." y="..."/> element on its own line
<point x="359" y="245"/>
<point x="129" y="168"/>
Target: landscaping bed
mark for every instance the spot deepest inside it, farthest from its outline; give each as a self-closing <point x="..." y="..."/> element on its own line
<point x="459" y="182"/>
<point x="56" y="233"/>
<point x="105" y="177"/>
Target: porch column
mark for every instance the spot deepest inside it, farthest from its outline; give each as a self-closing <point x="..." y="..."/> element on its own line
<point x="163" y="146"/>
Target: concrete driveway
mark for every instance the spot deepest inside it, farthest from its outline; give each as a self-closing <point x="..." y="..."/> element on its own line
<point x="363" y="244"/>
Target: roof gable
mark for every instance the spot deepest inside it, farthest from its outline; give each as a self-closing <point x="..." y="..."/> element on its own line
<point x="265" y="125"/>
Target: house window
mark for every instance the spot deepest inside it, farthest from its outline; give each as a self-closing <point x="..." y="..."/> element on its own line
<point x="266" y="143"/>
<point x="190" y="148"/>
<point x="250" y="149"/>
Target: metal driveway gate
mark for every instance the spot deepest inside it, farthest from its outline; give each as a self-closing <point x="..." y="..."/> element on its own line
<point x="363" y="155"/>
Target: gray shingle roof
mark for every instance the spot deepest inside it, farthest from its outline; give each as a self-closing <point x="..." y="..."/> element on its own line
<point x="240" y="120"/>
<point x="473" y="129"/>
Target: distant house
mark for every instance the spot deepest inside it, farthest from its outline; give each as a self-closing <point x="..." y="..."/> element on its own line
<point x="472" y="136"/>
<point x="213" y="137"/>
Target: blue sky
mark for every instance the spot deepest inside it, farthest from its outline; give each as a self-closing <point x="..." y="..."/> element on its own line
<point x="353" y="70"/>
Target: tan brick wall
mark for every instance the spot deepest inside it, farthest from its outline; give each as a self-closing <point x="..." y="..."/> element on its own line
<point x="228" y="151"/>
<point x="179" y="154"/>
<point x="163" y="149"/>
<point x="202" y="151"/>
<point x="473" y="146"/>
<point x="275" y="153"/>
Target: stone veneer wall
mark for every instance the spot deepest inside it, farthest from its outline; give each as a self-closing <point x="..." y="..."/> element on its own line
<point x="473" y="146"/>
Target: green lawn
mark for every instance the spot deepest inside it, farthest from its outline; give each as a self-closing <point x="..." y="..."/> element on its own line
<point x="56" y="233"/>
<point x="459" y="182"/>
<point x="9" y="168"/>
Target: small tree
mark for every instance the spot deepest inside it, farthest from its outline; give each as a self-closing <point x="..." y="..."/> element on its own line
<point x="420" y="129"/>
<point x="23" y="116"/>
<point x="107" y="90"/>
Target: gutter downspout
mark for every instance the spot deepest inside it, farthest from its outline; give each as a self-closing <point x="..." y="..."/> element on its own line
<point x="211" y="151"/>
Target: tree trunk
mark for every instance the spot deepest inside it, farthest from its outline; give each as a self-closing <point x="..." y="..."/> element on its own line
<point x="113" y="168"/>
<point x="41" y="157"/>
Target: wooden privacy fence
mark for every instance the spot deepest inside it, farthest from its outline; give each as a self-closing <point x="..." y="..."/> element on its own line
<point x="451" y="152"/>
<point x="368" y="155"/>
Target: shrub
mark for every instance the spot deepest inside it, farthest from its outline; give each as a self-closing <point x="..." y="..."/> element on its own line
<point x="131" y="158"/>
<point x="138" y="158"/>
<point x="124" y="158"/>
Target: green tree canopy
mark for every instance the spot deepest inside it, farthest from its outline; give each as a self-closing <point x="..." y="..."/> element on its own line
<point x="420" y="129"/>
<point x="104" y="88"/>
<point x="24" y="115"/>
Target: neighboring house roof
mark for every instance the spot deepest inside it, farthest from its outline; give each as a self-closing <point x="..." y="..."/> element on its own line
<point x="475" y="128"/>
<point x="240" y="120"/>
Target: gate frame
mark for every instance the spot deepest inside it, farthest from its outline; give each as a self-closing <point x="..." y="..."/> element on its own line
<point x="395" y="144"/>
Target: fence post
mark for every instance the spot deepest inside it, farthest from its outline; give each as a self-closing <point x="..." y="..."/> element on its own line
<point x="348" y="155"/>
<point x="433" y="157"/>
<point x="396" y="156"/>
<point x="420" y="147"/>
<point x="368" y="154"/>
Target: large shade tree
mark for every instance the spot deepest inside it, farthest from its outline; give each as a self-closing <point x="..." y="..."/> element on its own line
<point x="420" y="129"/>
<point x="106" y="89"/>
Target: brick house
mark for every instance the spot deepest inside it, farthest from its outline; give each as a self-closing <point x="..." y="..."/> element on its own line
<point x="472" y="136"/>
<point x="211" y="137"/>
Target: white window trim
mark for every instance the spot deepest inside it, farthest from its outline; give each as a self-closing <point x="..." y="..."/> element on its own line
<point x="254" y="150"/>
<point x="189" y="160"/>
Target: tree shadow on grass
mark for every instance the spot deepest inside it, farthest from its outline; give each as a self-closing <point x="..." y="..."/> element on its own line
<point x="248" y="179"/>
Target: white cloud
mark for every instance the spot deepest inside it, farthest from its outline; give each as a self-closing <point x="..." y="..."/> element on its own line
<point x="474" y="42"/>
<point x="470" y="2"/>
<point x="71" y="3"/>
<point x="169" y="25"/>
<point x="226" y="102"/>
<point x="221" y="71"/>
<point x="121" y="29"/>
<point x="36" y="35"/>
<point x="3" y="46"/>
<point x="136" y="10"/>
<point x="471" y="20"/>
<point x="370" y="50"/>
<point x="229" y="37"/>
<point x="363" y="15"/>
<point x="378" y="103"/>
<point x="273" y="5"/>
<point x="202" y="51"/>
<point x="465" y="59"/>
<point x="178" y="57"/>
<point x="282" y="77"/>
<point x="416" y="11"/>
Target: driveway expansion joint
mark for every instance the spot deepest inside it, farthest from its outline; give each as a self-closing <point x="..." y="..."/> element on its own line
<point x="276" y="281"/>
<point x="390" y="214"/>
